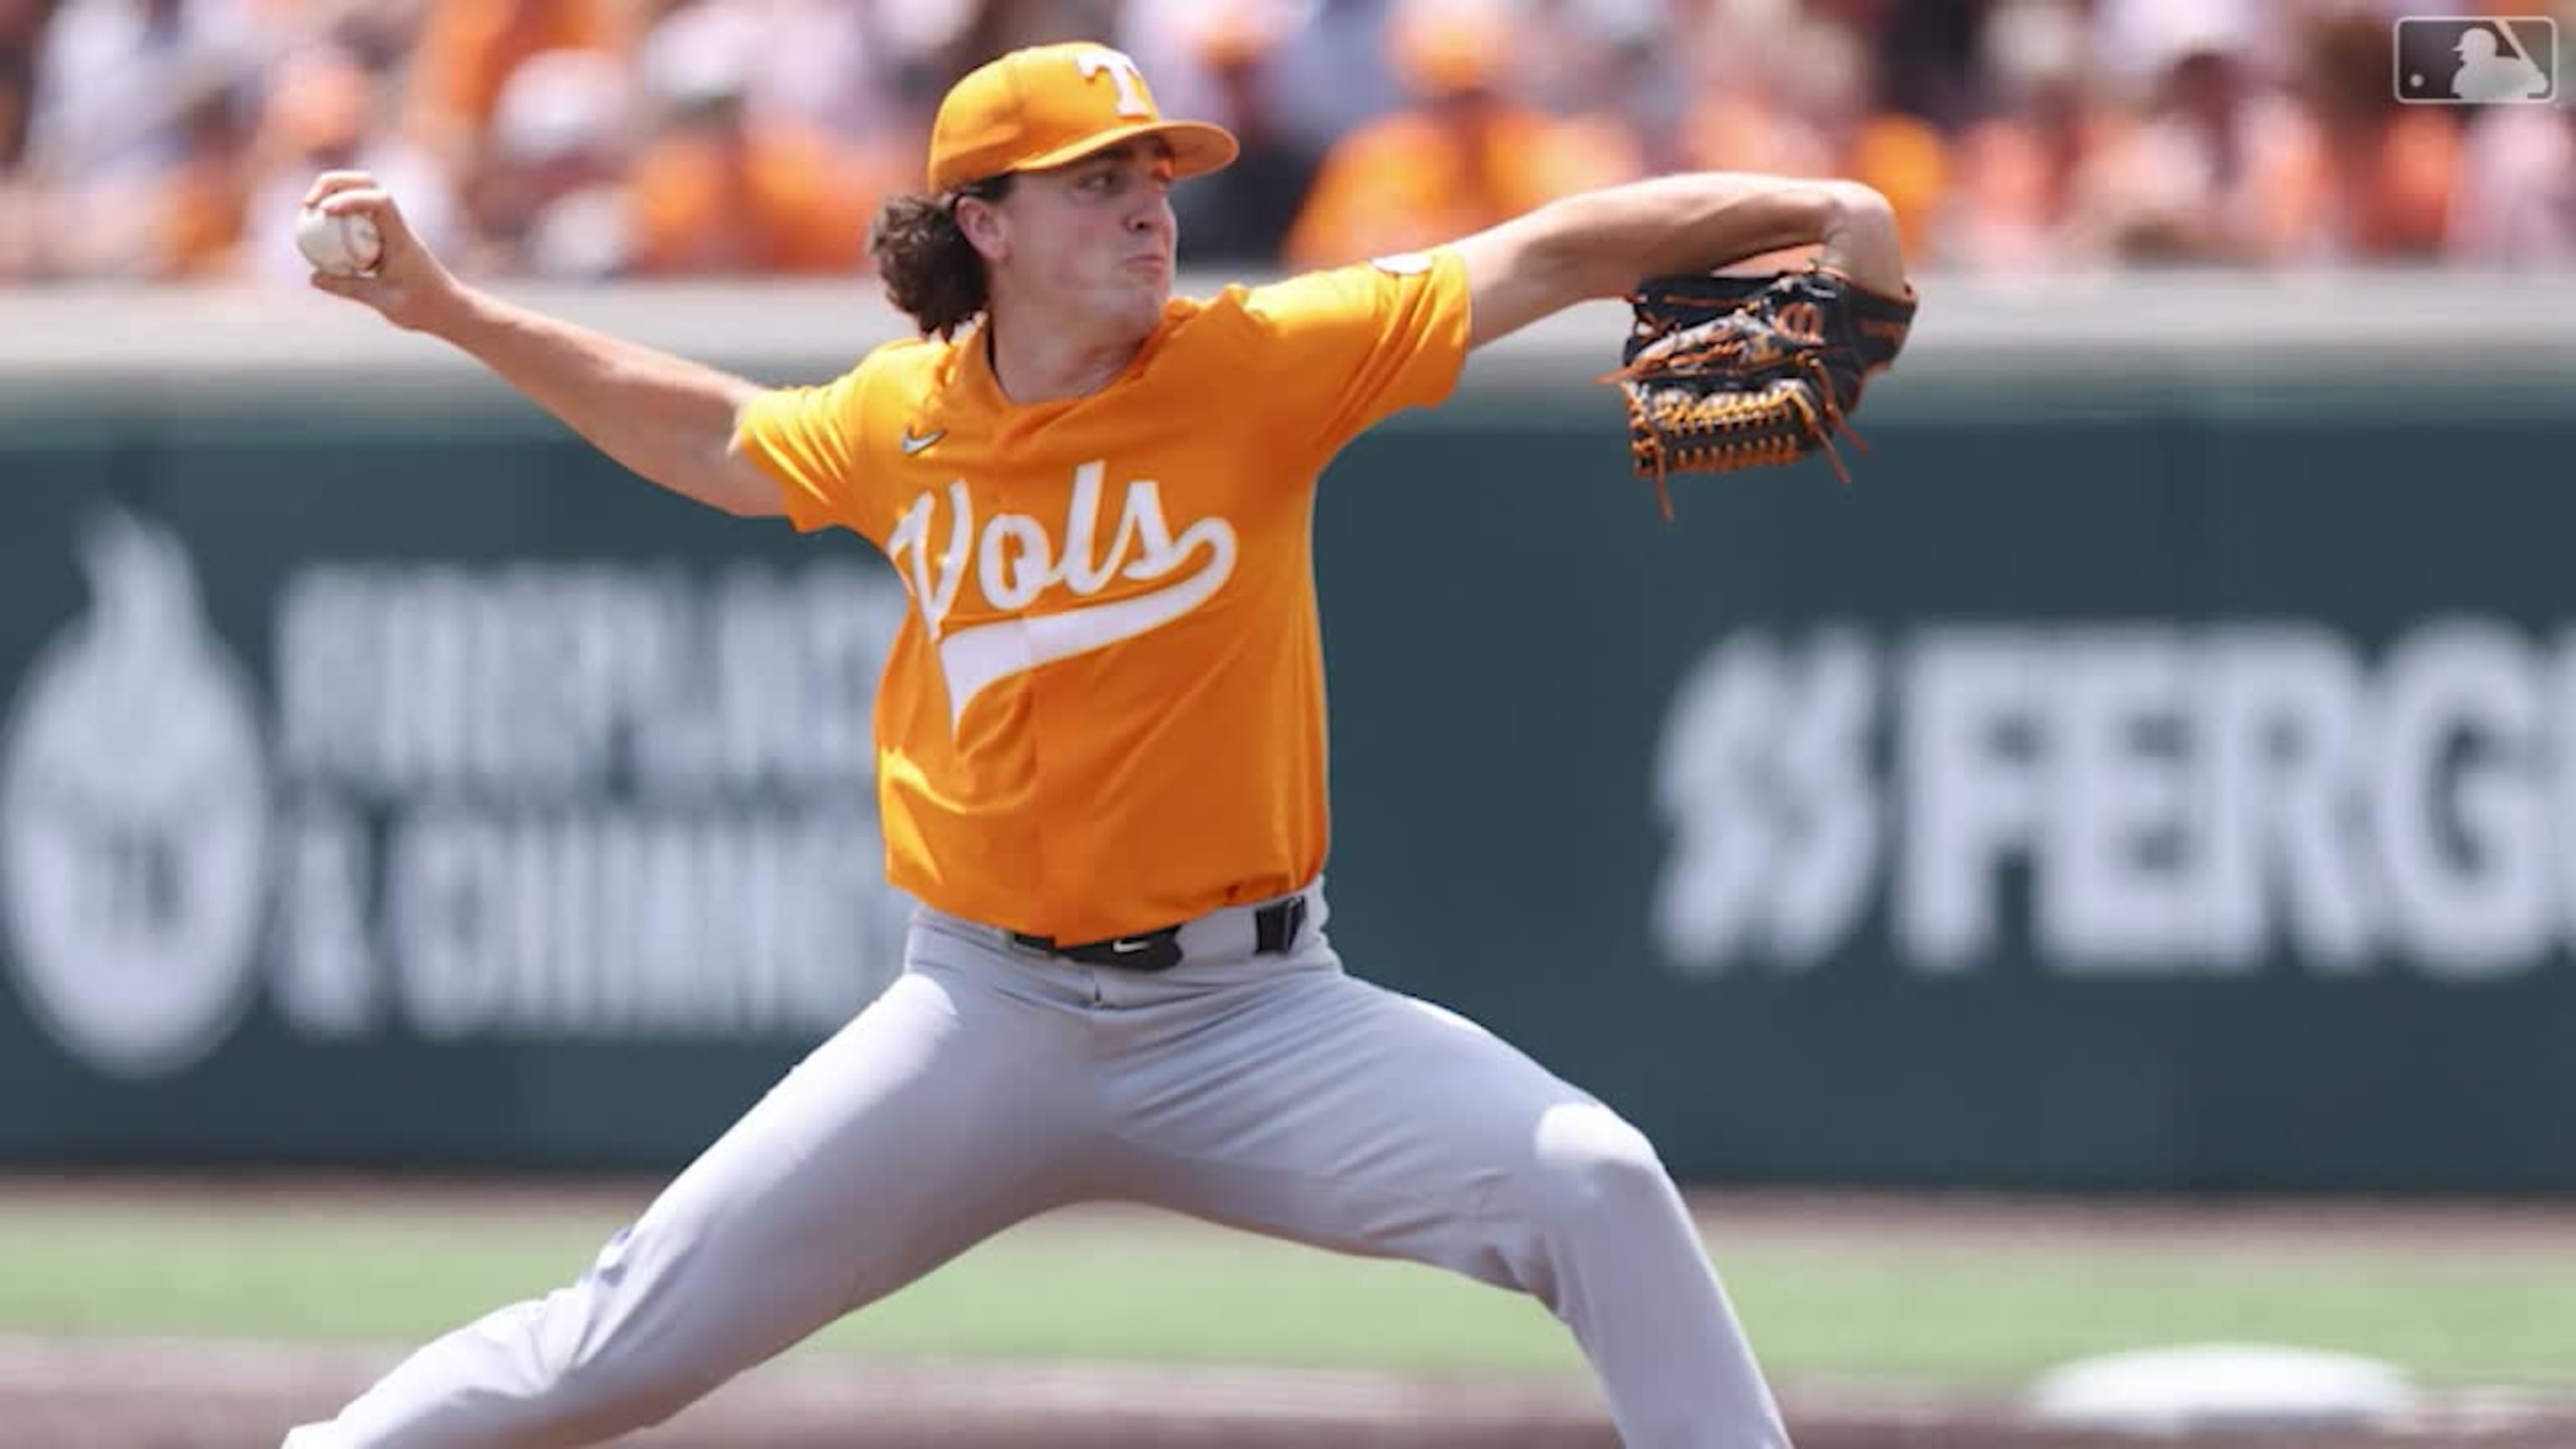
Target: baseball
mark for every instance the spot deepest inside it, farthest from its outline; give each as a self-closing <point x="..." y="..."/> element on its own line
<point x="342" y="246"/>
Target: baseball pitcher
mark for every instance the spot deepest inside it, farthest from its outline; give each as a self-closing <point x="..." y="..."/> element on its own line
<point x="1101" y="754"/>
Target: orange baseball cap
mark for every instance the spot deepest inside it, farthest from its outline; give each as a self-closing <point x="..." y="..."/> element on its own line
<point x="1053" y="104"/>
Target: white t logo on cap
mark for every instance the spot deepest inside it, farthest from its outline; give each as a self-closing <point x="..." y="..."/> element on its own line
<point x="1123" y="74"/>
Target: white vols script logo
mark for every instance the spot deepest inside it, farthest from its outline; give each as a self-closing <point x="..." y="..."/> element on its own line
<point x="1015" y="562"/>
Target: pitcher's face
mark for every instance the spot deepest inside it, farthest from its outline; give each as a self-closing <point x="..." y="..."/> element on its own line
<point x="1096" y="238"/>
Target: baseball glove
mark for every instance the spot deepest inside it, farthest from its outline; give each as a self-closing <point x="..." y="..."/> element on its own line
<point x="1728" y="372"/>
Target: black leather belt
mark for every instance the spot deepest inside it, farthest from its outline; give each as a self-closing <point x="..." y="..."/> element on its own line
<point x="1274" y="933"/>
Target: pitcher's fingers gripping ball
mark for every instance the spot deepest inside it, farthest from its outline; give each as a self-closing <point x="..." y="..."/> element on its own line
<point x="1728" y="372"/>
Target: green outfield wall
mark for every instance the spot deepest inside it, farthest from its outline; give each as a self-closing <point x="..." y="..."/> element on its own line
<point x="2157" y="770"/>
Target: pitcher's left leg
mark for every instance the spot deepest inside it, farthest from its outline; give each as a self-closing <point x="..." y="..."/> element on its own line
<point x="1317" y="1107"/>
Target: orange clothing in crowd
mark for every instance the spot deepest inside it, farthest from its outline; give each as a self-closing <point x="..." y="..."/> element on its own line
<point x="1104" y="713"/>
<point x="772" y="200"/>
<point x="1906" y="159"/>
<point x="1733" y="132"/>
<point x="468" y="49"/>
<point x="2387" y="190"/>
<point x="201" y="221"/>
<point x="1415" y="178"/>
<point x="2020" y="180"/>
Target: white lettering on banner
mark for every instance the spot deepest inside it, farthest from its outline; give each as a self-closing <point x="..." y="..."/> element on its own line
<point x="330" y="980"/>
<point x="617" y="802"/>
<point x="625" y="926"/>
<point x="2282" y="710"/>
<point x="1771" y="751"/>
<point x="2562" y="789"/>
<point x="590" y="799"/>
<point x="1968" y="796"/>
<point x="1016" y="563"/>
<point x="557" y="682"/>
<point x="2122" y="826"/>
<point x="2470" y="873"/>
<point x="2174" y="801"/>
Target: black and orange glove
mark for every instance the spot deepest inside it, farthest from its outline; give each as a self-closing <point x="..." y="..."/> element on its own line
<point x="1728" y="372"/>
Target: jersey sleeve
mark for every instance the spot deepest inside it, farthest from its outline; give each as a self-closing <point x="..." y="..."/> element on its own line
<point x="810" y="440"/>
<point x="1345" y="348"/>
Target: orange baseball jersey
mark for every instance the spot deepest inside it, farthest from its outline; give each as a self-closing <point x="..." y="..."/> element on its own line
<point x="1105" y="711"/>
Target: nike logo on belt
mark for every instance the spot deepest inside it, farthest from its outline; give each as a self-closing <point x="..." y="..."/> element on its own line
<point x="912" y="445"/>
<point x="1128" y="945"/>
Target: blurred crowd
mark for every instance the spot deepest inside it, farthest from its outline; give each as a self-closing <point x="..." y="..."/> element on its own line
<point x="585" y="139"/>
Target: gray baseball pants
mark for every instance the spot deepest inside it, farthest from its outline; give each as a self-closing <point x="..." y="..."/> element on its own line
<point x="989" y="1084"/>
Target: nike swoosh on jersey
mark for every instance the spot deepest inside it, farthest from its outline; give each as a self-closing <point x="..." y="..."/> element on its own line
<point x="980" y="655"/>
<point x="912" y="445"/>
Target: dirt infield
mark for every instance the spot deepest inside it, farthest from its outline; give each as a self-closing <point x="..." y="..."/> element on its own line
<point x="177" y="1395"/>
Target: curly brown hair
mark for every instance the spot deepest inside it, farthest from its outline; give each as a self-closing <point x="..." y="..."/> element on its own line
<point x="931" y="271"/>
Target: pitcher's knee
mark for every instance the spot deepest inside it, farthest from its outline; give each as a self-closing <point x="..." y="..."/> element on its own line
<point x="574" y="1383"/>
<point x="1590" y="1167"/>
<point x="599" y="1398"/>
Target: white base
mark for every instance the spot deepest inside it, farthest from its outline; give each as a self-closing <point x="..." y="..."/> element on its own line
<point x="2205" y="1387"/>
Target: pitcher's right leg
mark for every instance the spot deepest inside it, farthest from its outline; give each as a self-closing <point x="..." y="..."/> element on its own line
<point x="1299" y="1101"/>
<point x="941" y="1115"/>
